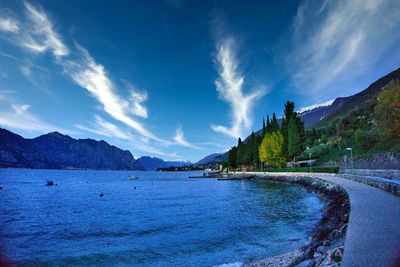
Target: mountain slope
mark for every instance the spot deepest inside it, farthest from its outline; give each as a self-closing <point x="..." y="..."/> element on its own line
<point x="57" y="151"/>
<point x="318" y="115"/>
<point x="153" y="163"/>
<point x="213" y="158"/>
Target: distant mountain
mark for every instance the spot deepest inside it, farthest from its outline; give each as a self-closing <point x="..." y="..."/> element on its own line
<point x="153" y="163"/>
<point x="213" y="158"/>
<point x="58" y="151"/>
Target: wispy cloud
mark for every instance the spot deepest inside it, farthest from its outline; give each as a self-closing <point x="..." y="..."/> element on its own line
<point x="40" y="36"/>
<point x="93" y="77"/>
<point x="106" y="128"/>
<point x="332" y="38"/>
<point x="230" y="89"/>
<point x="9" y="25"/>
<point x="18" y="116"/>
<point x="180" y="139"/>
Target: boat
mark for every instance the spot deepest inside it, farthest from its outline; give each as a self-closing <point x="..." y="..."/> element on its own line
<point x="49" y="183"/>
<point x="132" y="177"/>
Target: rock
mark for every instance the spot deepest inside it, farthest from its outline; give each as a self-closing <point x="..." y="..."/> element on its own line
<point x="327" y="243"/>
<point x="319" y="260"/>
<point x="322" y="249"/>
<point x="306" y="263"/>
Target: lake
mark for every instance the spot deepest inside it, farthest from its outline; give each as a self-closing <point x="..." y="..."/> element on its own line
<point x="161" y="219"/>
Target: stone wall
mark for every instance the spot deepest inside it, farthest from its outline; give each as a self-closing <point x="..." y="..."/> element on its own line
<point x="376" y="161"/>
<point x="386" y="174"/>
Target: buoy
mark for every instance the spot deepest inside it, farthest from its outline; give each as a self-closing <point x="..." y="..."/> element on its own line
<point x="101" y="194"/>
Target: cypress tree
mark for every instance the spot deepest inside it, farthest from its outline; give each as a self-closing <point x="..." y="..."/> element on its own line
<point x="274" y="123"/>
<point x="288" y="113"/>
<point x="294" y="138"/>
<point x="264" y="128"/>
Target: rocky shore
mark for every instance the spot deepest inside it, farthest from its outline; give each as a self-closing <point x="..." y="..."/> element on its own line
<point x="327" y="238"/>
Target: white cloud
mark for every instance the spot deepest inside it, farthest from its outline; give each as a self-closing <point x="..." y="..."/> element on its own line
<point x="230" y="89"/>
<point x="18" y="116"/>
<point x="334" y="42"/>
<point x="93" y="77"/>
<point x="9" y="25"/>
<point x="41" y="36"/>
<point x="136" y="101"/>
<point x="38" y="35"/>
<point x="180" y="139"/>
<point x="106" y="128"/>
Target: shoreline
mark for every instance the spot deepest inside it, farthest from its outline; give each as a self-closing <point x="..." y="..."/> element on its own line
<point x="326" y="246"/>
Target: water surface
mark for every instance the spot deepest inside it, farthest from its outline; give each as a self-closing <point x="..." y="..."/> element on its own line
<point x="168" y="220"/>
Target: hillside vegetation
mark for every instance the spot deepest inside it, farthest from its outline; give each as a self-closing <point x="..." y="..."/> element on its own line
<point x="369" y="127"/>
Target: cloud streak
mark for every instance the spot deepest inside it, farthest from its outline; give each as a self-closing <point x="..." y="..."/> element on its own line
<point x="180" y="139"/>
<point x="9" y="25"/>
<point x="42" y="36"/>
<point x="39" y="36"/>
<point x="106" y="128"/>
<point x="18" y="116"/>
<point x="334" y="42"/>
<point x="229" y="86"/>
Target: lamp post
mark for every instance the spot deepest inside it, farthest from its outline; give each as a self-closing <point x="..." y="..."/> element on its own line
<point x="310" y="162"/>
<point x="351" y="156"/>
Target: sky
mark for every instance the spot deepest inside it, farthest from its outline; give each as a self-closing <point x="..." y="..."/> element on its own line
<point x="178" y="79"/>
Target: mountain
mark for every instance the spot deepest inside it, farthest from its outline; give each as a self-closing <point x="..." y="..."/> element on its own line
<point x="58" y="151"/>
<point x="320" y="114"/>
<point x="213" y="158"/>
<point x="317" y="115"/>
<point x="153" y="163"/>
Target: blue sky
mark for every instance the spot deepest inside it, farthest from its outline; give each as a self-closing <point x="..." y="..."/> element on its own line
<point x="182" y="79"/>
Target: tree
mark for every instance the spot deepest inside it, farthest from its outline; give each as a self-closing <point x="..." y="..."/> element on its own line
<point x="294" y="138"/>
<point x="232" y="157"/>
<point x="274" y="123"/>
<point x="271" y="150"/>
<point x="288" y="113"/>
<point x="264" y="128"/>
<point x="240" y="154"/>
<point x="268" y="127"/>
<point x="387" y="111"/>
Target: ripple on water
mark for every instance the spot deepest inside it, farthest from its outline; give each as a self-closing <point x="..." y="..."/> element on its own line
<point x="168" y="220"/>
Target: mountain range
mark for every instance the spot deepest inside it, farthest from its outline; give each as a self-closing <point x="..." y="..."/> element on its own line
<point x="58" y="151"/>
<point x="153" y="163"/>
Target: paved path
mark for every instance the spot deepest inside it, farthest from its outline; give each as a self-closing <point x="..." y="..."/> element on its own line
<point x="373" y="233"/>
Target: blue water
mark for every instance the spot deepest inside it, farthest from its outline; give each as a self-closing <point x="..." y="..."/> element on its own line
<point x="168" y="220"/>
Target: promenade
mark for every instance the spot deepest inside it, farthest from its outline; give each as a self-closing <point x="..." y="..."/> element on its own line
<point x="373" y="233"/>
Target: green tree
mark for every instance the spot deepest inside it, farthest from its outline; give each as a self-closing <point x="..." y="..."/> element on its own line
<point x="288" y="112"/>
<point x="294" y="138"/>
<point x="274" y="123"/>
<point x="271" y="150"/>
<point x="268" y="127"/>
<point x="240" y="154"/>
<point x="387" y="111"/>
<point x="232" y="154"/>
